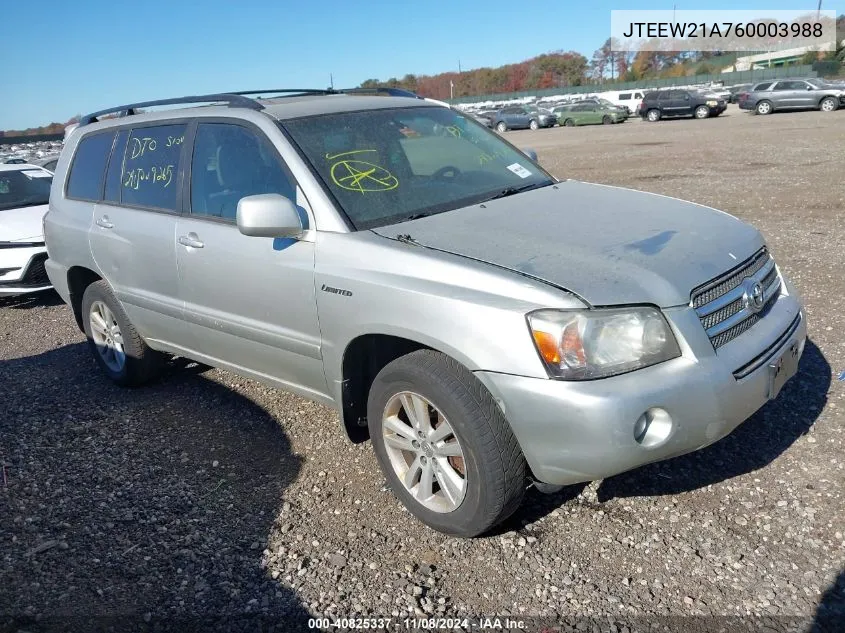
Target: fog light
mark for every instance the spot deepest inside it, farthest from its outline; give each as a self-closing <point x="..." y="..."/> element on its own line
<point x="652" y="427"/>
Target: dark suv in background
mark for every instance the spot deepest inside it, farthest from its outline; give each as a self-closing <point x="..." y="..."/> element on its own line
<point x="672" y="103"/>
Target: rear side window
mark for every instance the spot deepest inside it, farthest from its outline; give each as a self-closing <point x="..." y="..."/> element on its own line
<point x="664" y="96"/>
<point x="763" y="86"/>
<point x="151" y="165"/>
<point x="625" y="96"/>
<point x="85" y="181"/>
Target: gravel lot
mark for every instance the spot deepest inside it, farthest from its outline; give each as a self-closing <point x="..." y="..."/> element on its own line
<point x="209" y="502"/>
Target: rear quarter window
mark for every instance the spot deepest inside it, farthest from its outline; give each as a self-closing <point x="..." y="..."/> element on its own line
<point x="85" y="181"/>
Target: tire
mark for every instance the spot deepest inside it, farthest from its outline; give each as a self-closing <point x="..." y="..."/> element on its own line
<point x="702" y="112"/>
<point x="569" y="123"/>
<point x="653" y="115"/>
<point x="494" y="472"/>
<point x="606" y="120"/>
<point x="139" y="363"/>
<point x="533" y="124"/>
<point x="501" y="127"/>
<point x="763" y="107"/>
<point x="828" y="104"/>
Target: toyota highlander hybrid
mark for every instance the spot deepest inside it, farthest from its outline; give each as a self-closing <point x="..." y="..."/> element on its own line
<point x="485" y="324"/>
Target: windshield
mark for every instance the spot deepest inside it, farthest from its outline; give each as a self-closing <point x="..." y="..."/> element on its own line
<point x="24" y="188"/>
<point x="386" y="166"/>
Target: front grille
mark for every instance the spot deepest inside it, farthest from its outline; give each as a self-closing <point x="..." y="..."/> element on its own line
<point x="722" y="306"/>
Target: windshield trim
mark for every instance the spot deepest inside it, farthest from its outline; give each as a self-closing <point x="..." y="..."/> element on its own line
<point x="441" y="208"/>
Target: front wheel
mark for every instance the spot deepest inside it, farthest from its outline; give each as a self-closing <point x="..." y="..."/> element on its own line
<point x="444" y="445"/>
<point x="606" y="120"/>
<point x="653" y="115"/>
<point x="569" y="123"/>
<point x="828" y="104"/>
<point x="117" y="347"/>
<point x="501" y="127"/>
<point x="533" y="124"/>
<point x="702" y="112"/>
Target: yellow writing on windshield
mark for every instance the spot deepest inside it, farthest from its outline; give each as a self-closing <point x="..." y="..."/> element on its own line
<point x="351" y="173"/>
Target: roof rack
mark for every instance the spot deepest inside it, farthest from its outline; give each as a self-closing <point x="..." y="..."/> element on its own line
<point x="241" y="99"/>
<point x="393" y="92"/>
<point x="232" y="99"/>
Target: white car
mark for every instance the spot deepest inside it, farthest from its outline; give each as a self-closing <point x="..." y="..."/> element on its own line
<point x="24" y="193"/>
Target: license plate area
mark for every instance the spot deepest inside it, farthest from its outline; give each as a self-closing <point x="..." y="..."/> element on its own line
<point x="783" y="369"/>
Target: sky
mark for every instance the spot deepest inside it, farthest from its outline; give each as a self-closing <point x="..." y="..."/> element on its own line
<point x="66" y="57"/>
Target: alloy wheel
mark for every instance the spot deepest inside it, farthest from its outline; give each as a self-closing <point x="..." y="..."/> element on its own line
<point x="107" y="336"/>
<point x="424" y="452"/>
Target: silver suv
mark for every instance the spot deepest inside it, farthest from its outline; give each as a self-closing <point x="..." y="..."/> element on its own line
<point x="483" y="323"/>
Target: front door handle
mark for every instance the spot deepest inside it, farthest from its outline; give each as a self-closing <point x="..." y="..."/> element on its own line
<point x="104" y="222"/>
<point x="191" y="240"/>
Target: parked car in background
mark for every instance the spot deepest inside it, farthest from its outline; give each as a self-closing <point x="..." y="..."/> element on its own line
<point x="24" y="194"/>
<point x="523" y="117"/>
<point x="622" y="111"/>
<point x="792" y="94"/>
<point x="626" y="99"/>
<point x="48" y="163"/>
<point x="735" y="91"/>
<point x="13" y="160"/>
<point x="587" y="114"/>
<point x="481" y="118"/>
<point x="674" y="103"/>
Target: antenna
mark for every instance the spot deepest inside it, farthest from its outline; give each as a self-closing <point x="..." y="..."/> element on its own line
<point x="331" y="81"/>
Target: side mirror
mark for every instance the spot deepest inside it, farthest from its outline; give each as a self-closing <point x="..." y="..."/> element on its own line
<point x="530" y="153"/>
<point x="268" y="215"/>
<point x="809" y="88"/>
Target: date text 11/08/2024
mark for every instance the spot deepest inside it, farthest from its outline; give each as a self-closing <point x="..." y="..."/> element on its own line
<point x="418" y="624"/>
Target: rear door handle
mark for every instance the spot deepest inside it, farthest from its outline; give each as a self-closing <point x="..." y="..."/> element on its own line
<point x="191" y="240"/>
<point x="104" y="222"/>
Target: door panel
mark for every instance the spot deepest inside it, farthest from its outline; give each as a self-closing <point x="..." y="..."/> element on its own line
<point x="251" y="300"/>
<point x="134" y="247"/>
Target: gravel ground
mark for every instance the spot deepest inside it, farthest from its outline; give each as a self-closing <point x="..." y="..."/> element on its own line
<point x="209" y="502"/>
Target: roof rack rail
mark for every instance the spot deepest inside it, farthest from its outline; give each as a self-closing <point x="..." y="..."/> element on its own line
<point x="232" y="99"/>
<point x="393" y="92"/>
<point x="242" y="100"/>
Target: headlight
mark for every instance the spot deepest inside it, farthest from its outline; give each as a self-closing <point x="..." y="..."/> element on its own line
<point x="587" y="344"/>
<point x="712" y="103"/>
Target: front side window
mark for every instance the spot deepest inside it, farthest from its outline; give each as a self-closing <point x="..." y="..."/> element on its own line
<point x="150" y="167"/>
<point x="386" y="166"/>
<point x="24" y="188"/>
<point x="85" y="181"/>
<point x="231" y="162"/>
<point x="625" y="96"/>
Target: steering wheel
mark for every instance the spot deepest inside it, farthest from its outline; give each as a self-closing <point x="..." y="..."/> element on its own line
<point x="449" y="172"/>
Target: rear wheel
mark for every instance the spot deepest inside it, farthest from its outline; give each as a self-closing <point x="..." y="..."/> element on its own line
<point x="533" y="124"/>
<point x="117" y="347"/>
<point x="501" y="127"/>
<point x="653" y="115"/>
<point x="828" y="104"/>
<point x="569" y="123"/>
<point x="702" y="112"/>
<point x="764" y="107"/>
<point x="444" y="445"/>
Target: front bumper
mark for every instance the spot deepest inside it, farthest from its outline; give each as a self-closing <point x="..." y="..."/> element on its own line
<point x="22" y="270"/>
<point x="581" y="431"/>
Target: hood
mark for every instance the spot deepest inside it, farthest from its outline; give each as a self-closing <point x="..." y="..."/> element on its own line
<point x="22" y="225"/>
<point x="605" y="244"/>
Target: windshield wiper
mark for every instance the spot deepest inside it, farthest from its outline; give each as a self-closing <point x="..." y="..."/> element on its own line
<point x="510" y="191"/>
